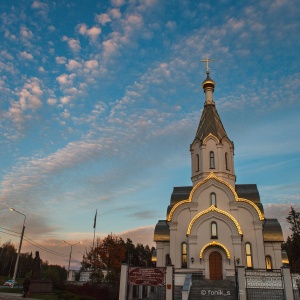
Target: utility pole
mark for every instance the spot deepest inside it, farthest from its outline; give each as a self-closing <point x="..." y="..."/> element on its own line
<point x="20" y="246"/>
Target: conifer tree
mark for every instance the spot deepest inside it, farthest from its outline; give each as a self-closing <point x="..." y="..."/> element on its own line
<point x="292" y="245"/>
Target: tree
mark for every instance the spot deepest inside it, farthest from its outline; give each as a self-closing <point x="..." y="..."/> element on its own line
<point x="25" y="264"/>
<point x="108" y="255"/>
<point x="97" y="277"/>
<point x="292" y="244"/>
<point x="294" y="220"/>
<point x="8" y="254"/>
<point x="55" y="273"/>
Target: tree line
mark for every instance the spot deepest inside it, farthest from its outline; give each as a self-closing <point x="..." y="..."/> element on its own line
<point x="8" y="257"/>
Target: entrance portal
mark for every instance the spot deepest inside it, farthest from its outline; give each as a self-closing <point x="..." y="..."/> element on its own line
<point x="215" y="266"/>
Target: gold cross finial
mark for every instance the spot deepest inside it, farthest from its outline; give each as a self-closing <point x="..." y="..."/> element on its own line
<point x="206" y="60"/>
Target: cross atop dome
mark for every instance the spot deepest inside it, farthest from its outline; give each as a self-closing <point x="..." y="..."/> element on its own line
<point x="208" y="84"/>
<point x="207" y="60"/>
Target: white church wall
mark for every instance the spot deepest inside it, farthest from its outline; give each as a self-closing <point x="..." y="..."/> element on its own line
<point x="162" y="249"/>
<point x="277" y="255"/>
<point x="202" y="195"/>
<point x="260" y="249"/>
<point x="201" y="235"/>
<point x="273" y="249"/>
<point x="211" y="145"/>
<point x="196" y="165"/>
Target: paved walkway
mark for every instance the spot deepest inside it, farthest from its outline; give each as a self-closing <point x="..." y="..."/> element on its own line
<point x="10" y="296"/>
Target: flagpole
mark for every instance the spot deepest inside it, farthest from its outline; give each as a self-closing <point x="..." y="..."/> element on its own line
<point x="95" y="222"/>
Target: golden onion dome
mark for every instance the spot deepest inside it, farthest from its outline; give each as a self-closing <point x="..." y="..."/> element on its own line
<point x="208" y="83"/>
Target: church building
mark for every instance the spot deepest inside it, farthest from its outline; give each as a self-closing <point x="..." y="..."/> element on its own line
<point x="215" y="224"/>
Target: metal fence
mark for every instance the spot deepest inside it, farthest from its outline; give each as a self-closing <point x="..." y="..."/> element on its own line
<point x="158" y="293"/>
<point x="264" y="285"/>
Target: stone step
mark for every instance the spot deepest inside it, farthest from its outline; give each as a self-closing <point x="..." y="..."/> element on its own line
<point x="212" y="290"/>
<point x="177" y="293"/>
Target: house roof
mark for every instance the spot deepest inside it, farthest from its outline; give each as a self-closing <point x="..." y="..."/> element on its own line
<point x="272" y="231"/>
<point x="162" y="231"/>
<point x="247" y="191"/>
<point x="250" y="192"/>
<point x="180" y="193"/>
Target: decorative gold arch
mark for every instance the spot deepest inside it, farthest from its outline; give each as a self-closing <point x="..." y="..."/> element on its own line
<point x="211" y="136"/>
<point x="214" y="243"/>
<point x="213" y="208"/>
<point x="210" y="176"/>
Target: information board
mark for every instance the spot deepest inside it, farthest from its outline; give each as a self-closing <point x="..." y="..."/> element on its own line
<point x="146" y="276"/>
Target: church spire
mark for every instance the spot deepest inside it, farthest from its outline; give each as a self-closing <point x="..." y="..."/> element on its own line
<point x="210" y="122"/>
<point x="211" y="150"/>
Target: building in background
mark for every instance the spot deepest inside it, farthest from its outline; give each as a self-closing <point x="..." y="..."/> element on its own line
<point x="215" y="224"/>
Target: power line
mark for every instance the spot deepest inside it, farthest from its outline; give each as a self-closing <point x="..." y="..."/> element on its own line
<point x="44" y="248"/>
<point x="9" y="233"/>
<point x="32" y="242"/>
<point x="10" y="230"/>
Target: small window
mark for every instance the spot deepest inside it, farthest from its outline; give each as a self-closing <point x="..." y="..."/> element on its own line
<point x="226" y="161"/>
<point x="183" y="255"/>
<point x="197" y="162"/>
<point x="268" y="263"/>
<point x="214" y="230"/>
<point x="211" y="160"/>
<point x="249" y="255"/>
<point x="213" y="199"/>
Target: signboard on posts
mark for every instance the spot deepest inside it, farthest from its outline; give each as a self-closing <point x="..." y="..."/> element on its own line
<point x="146" y="276"/>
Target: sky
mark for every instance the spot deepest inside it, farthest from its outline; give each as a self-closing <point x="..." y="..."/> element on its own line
<point x="100" y="101"/>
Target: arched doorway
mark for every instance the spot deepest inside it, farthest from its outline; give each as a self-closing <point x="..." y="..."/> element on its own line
<point x="215" y="266"/>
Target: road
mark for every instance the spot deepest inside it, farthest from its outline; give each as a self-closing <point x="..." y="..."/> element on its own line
<point x="11" y="296"/>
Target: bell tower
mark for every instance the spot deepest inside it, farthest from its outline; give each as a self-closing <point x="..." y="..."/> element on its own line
<point x="211" y="150"/>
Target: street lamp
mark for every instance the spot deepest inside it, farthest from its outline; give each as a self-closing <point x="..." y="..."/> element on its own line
<point x="19" y="251"/>
<point x="71" y="252"/>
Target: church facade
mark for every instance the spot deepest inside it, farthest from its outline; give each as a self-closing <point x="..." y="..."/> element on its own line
<point x="215" y="224"/>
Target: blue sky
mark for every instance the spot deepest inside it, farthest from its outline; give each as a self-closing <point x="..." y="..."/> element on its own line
<point x="100" y="101"/>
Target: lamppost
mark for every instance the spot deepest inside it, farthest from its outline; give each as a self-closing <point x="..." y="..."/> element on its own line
<point x="19" y="251"/>
<point x="71" y="252"/>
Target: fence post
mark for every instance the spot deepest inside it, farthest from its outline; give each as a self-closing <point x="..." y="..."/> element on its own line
<point x="123" y="282"/>
<point x="169" y="283"/>
<point x="242" y="294"/>
<point x="288" y="287"/>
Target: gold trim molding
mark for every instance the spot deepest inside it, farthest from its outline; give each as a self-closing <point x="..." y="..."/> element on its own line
<point x="210" y="176"/>
<point x="211" y="136"/>
<point x="210" y="209"/>
<point x="215" y="244"/>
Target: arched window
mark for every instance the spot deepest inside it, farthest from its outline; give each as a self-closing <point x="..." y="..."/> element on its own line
<point x="214" y="230"/>
<point x="183" y="255"/>
<point x="268" y="262"/>
<point x="197" y="162"/>
<point x="213" y="199"/>
<point x="249" y="255"/>
<point x="211" y="159"/>
<point x="226" y="161"/>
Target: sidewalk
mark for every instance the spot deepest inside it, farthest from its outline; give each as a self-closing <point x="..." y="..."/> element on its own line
<point x="10" y="296"/>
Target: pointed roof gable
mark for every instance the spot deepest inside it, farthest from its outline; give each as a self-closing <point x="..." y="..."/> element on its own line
<point x="210" y="123"/>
